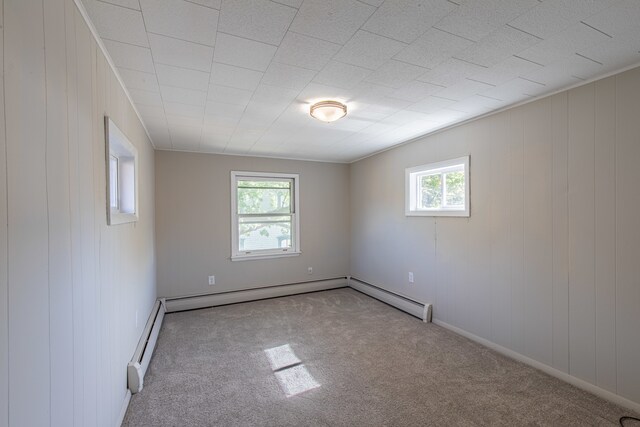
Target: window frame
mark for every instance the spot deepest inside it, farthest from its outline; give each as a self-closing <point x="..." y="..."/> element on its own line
<point x="412" y="176"/>
<point x="118" y="147"/>
<point x="114" y="181"/>
<point x="236" y="253"/>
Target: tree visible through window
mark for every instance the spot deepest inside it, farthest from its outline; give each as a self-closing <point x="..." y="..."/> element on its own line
<point x="265" y="216"/>
<point x="454" y="190"/>
<point x="438" y="189"/>
<point x="442" y="190"/>
<point x="431" y="187"/>
<point x="264" y="209"/>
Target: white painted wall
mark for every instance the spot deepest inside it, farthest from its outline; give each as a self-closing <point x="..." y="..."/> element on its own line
<point x="547" y="265"/>
<point x="70" y="285"/>
<point x="193" y="224"/>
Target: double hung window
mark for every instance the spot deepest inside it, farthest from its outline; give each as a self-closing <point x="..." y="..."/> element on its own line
<point x="265" y="215"/>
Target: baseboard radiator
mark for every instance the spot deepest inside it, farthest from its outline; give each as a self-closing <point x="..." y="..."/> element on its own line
<point x="139" y="363"/>
<point x="142" y="356"/>
<point x="415" y="308"/>
<point x="232" y="297"/>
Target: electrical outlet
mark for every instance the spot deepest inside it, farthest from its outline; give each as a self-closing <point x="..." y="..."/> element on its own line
<point x="310" y="270"/>
<point x="410" y="277"/>
<point x="212" y="280"/>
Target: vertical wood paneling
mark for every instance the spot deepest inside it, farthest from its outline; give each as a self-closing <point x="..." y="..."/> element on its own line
<point x="64" y="345"/>
<point x="559" y="249"/>
<point x="560" y="223"/>
<point x="118" y="293"/>
<point x="444" y="265"/>
<point x="478" y="280"/>
<point x="28" y="293"/>
<point x="74" y="209"/>
<point x="605" y="233"/>
<point x="500" y="240"/>
<point x="450" y="269"/>
<point x="582" y="346"/>
<point x="101" y="371"/>
<point x="441" y="276"/>
<point x="516" y="230"/>
<point x="453" y="237"/>
<point x="421" y="262"/>
<point x="103" y="413"/>
<point x="628" y="234"/>
<point x="4" y="308"/>
<point x="538" y="310"/>
<point x="105" y="387"/>
<point x="87" y="219"/>
<point x="460" y="257"/>
<point x="60" y="284"/>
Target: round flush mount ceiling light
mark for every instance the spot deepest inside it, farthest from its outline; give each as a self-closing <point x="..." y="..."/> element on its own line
<point x="328" y="111"/>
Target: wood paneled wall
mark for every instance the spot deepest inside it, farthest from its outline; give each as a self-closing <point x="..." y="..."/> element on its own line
<point x="548" y="264"/>
<point x="71" y="287"/>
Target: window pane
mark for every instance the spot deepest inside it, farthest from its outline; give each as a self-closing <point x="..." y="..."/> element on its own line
<point x="438" y="189"/>
<point x="455" y="188"/>
<point x="264" y="197"/>
<point x="113" y="182"/>
<point x="268" y="232"/>
<point x="431" y="191"/>
<point x="265" y="183"/>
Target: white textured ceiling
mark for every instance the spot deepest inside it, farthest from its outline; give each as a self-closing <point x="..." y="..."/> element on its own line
<point x="237" y="76"/>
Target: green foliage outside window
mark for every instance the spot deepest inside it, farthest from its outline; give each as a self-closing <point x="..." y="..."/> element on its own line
<point x="455" y="188"/>
<point x="432" y="190"/>
<point x="268" y="198"/>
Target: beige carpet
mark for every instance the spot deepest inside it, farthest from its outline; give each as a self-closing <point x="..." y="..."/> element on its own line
<point x="340" y="358"/>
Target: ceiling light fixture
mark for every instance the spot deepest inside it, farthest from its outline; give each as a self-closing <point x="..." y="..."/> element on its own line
<point x="328" y="111"/>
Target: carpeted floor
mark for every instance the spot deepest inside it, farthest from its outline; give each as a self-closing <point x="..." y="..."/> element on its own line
<point x="361" y="362"/>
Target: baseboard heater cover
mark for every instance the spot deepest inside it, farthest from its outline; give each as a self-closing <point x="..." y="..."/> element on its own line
<point x="415" y="308"/>
<point x="137" y="368"/>
<point x="232" y="297"/>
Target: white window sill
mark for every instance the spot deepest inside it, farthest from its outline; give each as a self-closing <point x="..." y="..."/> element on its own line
<point x="458" y="213"/>
<point x="122" y="218"/>
<point x="249" y="257"/>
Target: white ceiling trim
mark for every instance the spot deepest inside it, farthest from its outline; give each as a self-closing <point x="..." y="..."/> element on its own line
<point x="299" y="159"/>
<point x="505" y="108"/>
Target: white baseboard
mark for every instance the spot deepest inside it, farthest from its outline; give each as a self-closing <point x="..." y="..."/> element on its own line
<point x="415" y="308"/>
<point x="232" y="297"/>
<point x="584" y="385"/>
<point x="125" y="406"/>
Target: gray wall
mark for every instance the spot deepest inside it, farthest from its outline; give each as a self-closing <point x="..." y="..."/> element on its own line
<point x="193" y="224"/>
<point x="70" y="286"/>
<point x="548" y="263"/>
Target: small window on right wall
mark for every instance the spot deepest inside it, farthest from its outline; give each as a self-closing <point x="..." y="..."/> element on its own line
<point x="438" y="189"/>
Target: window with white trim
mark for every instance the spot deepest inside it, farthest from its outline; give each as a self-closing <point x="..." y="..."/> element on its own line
<point x="122" y="185"/>
<point x="265" y="215"/>
<point x="438" y="189"/>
